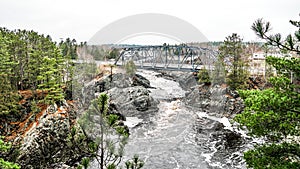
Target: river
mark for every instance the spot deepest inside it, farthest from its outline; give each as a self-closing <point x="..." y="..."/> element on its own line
<point x="167" y="141"/>
<point x="180" y="137"/>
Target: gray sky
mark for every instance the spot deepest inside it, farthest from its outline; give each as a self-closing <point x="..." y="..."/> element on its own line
<point x="81" y="19"/>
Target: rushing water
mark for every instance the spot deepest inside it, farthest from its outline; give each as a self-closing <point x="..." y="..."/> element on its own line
<point x="178" y="137"/>
<point x="168" y="141"/>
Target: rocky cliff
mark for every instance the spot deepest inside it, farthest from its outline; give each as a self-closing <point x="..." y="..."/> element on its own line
<point x="45" y="143"/>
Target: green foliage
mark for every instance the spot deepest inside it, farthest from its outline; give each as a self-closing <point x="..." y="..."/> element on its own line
<point x="113" y="54"/>
<point x="291" y="43"/>
<point x="130" y="68"/>
<point x="69" y="48"/>
<point x="34" y="107"/>
<point x="110" y="138"/>
<point x="51" y="83"/>
<point x="203" y="76"/>
<point x="4" y="146"/>
<point x="134" y="163"/>
<point x="85" y="162"/>
<point x="112" y="119"/>
<point x="232" y="55"/>
<point x="111" y="166"/>
<point x="275" y="112"/>
<point x="5" y="164"/>
<point x="8" y="95"/>
<point x="272" y="112"/>
<point x="30" y="61"/>
<point x="98" y="52"/>
<point x="287" y="67"/>
<point x="8" y="165"/>
<point x="274" y="156"/>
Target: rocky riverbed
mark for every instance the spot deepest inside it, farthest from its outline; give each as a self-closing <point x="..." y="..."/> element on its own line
<point x="192" y="128"/>
<point x="174" y="123"/>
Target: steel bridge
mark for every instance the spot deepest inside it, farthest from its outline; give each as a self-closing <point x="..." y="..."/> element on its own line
<point x="168" y="57"/>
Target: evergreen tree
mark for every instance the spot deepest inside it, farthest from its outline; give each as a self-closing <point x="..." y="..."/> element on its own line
<point x="50" y="81"/>
<point x="134" y="163"/>
<point x="4" y="147"/>
<point x="130" y="68"/>
<point x="203" y="76"/>
<point x="8" y="95"/>
<point x="110" y="137"/>
<point x="33" y="62"/>
<point x="69" y="48"/>
<point x="275" y="112"/>
<point x="114" y="53"/>
<point x="233" y="56"/>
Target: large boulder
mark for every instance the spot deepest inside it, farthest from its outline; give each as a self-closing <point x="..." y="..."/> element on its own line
<point x="133" y="101"/>
<point x="139" y="80"/>
<point x="128" y="94"/>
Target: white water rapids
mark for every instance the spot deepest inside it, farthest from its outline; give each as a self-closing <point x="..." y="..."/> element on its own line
<point x="177" y="137"/>
<point x="169" y="141"/>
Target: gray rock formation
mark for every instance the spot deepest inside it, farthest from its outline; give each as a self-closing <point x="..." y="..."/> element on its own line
<point x="129" y="95"/>
<point x="215" y="100"/>
<point x="120" y="80"/>
<point x="45" y="143"/>
<point x="133" y="101"/>
<point x="227" y="145"/>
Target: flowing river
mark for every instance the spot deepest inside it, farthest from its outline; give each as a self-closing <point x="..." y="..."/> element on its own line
<point x="179" y="137"/>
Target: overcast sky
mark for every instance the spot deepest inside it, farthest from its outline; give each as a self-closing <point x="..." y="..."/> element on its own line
<point x="81" y="19"/>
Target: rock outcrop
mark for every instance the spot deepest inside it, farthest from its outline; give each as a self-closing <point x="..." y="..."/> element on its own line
<point x="133" y="101"/>
<point x="120" y="80"/>
<point x="129" y="94"/>
<point x="44" y="144"/>
<point x="215" y="100"/>
<point x="218" y="143"/>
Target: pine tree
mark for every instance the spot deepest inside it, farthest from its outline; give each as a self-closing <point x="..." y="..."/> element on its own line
<point x="233" y="56"/>
<point x="37" y="63"/>
<point x="4" y="147"/>
<point x="49" y="78"/>
<point x="274" y="113"/>
<point x="8" y="95"/>
<point x="130" y="68"/>
<point x="203" y="76"/>
<point x="110" y="137"/>
<point x="219" y="72"/>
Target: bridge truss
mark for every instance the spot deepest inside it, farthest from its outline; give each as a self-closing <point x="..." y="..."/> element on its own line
<point x="168" y="57"/>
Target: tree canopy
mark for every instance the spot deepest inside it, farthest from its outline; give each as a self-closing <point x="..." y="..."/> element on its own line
<point x="30" y="61"/>
<point x="274" y="113"/>
<point x="233" y="60"/>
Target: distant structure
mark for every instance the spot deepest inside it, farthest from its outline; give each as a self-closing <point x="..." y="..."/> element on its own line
<point x="258" y="64"/>
<point x="168" y="57"/>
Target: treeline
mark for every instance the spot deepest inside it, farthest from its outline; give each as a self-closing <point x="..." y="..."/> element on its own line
<point x="30" y="61"/>
<point x="99" y="52"/>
